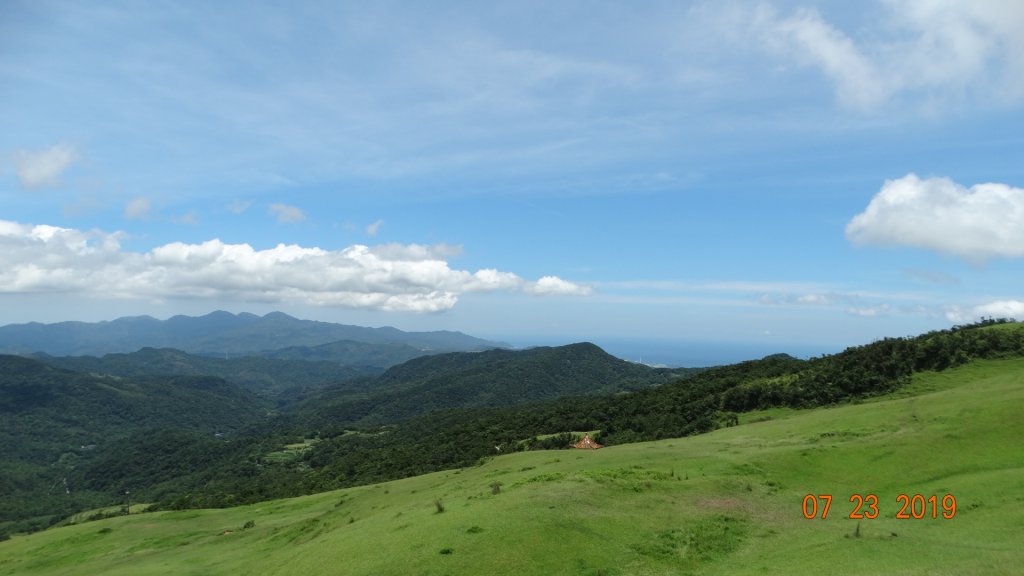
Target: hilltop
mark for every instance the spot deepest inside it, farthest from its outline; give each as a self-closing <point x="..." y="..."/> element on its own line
<point x="490" y="378"/>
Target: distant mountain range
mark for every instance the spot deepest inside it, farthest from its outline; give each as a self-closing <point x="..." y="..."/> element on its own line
<point x="225" y="334"/>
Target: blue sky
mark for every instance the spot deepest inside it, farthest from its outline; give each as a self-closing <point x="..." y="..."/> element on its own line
<point x="764" y="176"/>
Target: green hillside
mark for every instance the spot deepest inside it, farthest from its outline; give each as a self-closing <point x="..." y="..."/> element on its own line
<point x="376" y="355"/>
<point x="480" y="379"/>
<point x="56" y="423"/>
<point x="726" y="502"/>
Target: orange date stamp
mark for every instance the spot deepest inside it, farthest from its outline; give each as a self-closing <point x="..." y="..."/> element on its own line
<point x="911" y="507"/>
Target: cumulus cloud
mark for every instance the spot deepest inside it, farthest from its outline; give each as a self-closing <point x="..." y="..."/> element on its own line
<point x="933" y="51"/>
<point x="555" y="285"/>
<point x="994" y="309"/>
<point x="975" y="223"/>
<point x="412" y="277"/>
<point x="44" y="167"/>
<point x="286" y="214"/>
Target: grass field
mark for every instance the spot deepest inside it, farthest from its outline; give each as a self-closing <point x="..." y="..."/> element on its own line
<point x="729" y="502"/>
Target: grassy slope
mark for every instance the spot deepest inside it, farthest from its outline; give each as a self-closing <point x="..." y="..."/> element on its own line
<point x="728" y="502"/>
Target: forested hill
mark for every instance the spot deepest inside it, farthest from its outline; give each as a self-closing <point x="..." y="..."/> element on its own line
<point x="490" y="378"/>
<point x="277" y="379"/>
<point x="215" y="333"/>
<point x="55" y="419"/>
<point x="360" y="355"/>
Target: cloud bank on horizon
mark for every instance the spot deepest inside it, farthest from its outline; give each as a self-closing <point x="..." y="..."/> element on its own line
<point x="778" y="169"/>
<point x="413" y="278"/>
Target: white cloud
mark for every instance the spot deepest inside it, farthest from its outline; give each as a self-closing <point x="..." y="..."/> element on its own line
<point x="554" y="285"/>
<point x="138" y="209"/>
<point x="1002" y="309"/>
<point x="286" y="214"/>
<point x="412" y="277"/>
<point x="994" y="309"/>
<point x="938" y="214"/>
<point x="815" y="41"/>
<point x="45" y="167"/>
<point x="395" y="251"/>
<point x="372" y="229"/>
<point x="933" y="51"/>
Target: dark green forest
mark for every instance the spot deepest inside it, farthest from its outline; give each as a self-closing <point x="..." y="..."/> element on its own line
<point x="282" y="380"/>
<point x="490" y="378"/>
<point x="79" y="440"/>
<point x="57" y="420"/>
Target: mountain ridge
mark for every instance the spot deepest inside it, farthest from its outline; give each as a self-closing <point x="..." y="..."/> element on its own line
<point x="218" y="332"/>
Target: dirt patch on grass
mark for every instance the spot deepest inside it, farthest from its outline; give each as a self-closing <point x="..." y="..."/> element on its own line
<point x="726" y="504"/>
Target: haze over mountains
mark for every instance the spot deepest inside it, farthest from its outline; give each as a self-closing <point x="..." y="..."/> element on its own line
<point x="223" y="333"/>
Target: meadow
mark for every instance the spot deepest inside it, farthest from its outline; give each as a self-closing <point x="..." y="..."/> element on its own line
<point x="727" y="502"/>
